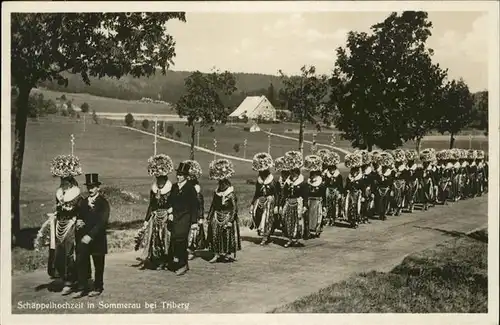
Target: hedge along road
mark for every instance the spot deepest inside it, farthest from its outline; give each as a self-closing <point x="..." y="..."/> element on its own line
<point x="221" y="155"/>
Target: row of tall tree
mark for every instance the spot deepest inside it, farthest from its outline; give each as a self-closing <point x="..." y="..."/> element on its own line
<point x="385" y="89"/>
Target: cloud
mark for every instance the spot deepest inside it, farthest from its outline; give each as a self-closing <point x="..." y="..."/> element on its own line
<point x="244" y="45"/>
<point x="295" y="25"/>
<point x="321" y="55"/>
<point x="473" y="46"/>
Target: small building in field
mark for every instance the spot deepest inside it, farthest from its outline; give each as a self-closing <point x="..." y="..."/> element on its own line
<point x="255" y="108"/>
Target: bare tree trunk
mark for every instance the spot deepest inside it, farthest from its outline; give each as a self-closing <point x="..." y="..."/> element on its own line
<point x="193" y="136"/>
<point x="301" y="135"/>
<point x="452" y="140"/>
<point x="17" y="159"/>
<point x="418" y="144"/>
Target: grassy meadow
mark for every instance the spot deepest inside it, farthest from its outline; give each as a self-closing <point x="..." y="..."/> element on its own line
<point x="450" y="278"/>
<point x="120" y="157"/>
<point x="109" y="105"/>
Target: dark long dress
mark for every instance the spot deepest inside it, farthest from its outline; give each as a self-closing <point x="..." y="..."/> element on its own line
<point x="398" y="188"/>
<point x="352" y="203"/>
<point x="156" y="239"/>
<point x="316" y="198"/>
<point x="223" y="229"/>
<point x="412" y="185"/>
<point x="197" y="239"/>
<point x="383" y="194"/>
<point x="334" y="187"/>
<point x="445" y="183"/>
<point x="426" y="190"/>
<point x="263" y="203"/>
<point x="295" y="199"/>
<point x="369" y="184"/>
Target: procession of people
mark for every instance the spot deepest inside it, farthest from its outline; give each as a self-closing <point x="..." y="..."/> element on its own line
<point x="379" y="184"/>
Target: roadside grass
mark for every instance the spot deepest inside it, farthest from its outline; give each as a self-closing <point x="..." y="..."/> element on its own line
<point x="449" y="278"/>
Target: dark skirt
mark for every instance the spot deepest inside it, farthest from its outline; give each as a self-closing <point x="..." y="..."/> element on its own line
<point x="293" y="219"/>
<point x="314" y="216"/>
<point x="333" y="204"/>
<point x="223" y="239"/>
<point x="156" y="240"/>
<point x="197" y="239"/>
<point x="263" y="215"/>
<point x="398" y="196"/>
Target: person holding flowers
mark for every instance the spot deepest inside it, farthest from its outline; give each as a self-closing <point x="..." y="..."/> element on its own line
<point x="294" y="203"/>
<point x="197" y="238"/>
<point x="264" y="202"/>
<point x="316" y="197"/>
<point x="223" y="228"/>
<point x="154" y="237"/>
<point x="61" y="226"/>
<point x="334" y="185"/>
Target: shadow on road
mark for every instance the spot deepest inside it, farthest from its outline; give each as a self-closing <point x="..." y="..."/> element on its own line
<point x="480" y="235"/>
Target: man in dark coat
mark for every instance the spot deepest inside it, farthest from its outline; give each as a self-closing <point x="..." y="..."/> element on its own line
<point x="184" y="202"/>
<point x="91" y="238"/>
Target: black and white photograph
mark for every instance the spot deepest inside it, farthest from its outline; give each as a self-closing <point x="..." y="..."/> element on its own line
<point x="326" y="158"/>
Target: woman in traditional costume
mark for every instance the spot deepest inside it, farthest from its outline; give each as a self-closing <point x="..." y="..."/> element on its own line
<point x="480" y="172"/>
<point x="414" y="175"/>
<point x="427" y="179"/>
<point x="281" y="167"/>
<point x="400" y="177"/>
<point x="223" y="228"/>
<point x="456" y="177"/>
<point x="294" y="199"/>
<point x="369" y="177"/>
<point x="264" y="201"/>
<point x="334" y="185"/>
<point x="464" y="178"/>
<point x="154" y="236"/>
<point x="353" y="189"/>
<point x="471" y="172"/>
<point x="446" y="175"/>
<point x="316" y="197"/>
<point x="385" y="180"/>
<point x="61" y="225"/>
<point x="197" y="239"/>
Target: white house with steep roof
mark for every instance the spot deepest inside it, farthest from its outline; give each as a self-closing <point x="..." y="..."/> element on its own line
<point x="254" y="107"/>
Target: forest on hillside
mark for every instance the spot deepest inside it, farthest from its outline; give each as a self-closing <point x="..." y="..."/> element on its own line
<point x="169" y="87"/>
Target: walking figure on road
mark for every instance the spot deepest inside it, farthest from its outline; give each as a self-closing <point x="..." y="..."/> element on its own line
<point x="154" y="236"/>
<point x="353" y="189"/>
<point x="91" y="238"/>
<point x="263" y="207"/>
<point x="294" y="200"/>
<point x="316" y="197"/>
<point x="223" y="230"/>
<point x="197" y="238"/>
<point x="334" y="186"/>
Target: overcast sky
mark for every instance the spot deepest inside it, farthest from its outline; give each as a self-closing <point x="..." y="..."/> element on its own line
<point x="267" y="42"/>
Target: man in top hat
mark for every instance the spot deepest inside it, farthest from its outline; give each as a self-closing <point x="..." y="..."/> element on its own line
<point x="184" y="202"/>
<point x="91" y="238"/>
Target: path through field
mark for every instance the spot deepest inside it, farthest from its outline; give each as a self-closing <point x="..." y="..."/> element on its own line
<point x="266" y="277"/>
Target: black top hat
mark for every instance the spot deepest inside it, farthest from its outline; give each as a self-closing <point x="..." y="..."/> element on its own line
<point x="183" y="169"/>
<point x="92" y="179"/>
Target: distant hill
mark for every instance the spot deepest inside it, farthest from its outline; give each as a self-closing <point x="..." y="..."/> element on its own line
<point x="169" y="87"/>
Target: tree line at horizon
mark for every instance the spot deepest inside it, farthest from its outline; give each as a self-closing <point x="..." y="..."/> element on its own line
<point x="384" y="89"/>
